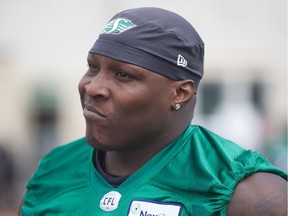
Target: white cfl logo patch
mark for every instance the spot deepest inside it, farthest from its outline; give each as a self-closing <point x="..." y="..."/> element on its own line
<point x="181" y="61"/>
<point x="110" y="201"/>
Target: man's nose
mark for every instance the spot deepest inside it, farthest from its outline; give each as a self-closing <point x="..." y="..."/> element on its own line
<point x="98" y="86"/>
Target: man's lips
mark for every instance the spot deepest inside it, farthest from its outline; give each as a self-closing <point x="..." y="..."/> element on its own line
<point x="91" y="113"/>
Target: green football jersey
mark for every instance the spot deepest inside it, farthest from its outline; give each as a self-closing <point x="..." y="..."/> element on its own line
<point x="194" y="175"/>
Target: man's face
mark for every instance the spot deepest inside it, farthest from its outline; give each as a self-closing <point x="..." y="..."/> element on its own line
<point x="125" y="106"/>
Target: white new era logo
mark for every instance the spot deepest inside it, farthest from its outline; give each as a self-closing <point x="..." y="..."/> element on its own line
<point x="181" y="61"/>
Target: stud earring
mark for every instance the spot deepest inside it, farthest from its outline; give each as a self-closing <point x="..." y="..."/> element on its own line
<point x="177" y="106"/>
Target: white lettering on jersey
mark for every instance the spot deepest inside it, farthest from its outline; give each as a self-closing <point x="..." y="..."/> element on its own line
<point x="110" y="201"/>
<point x="146" y="208"/>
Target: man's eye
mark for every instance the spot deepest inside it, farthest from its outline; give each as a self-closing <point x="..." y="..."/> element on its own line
<point x="93" y="67"/>
<point x="123" y="74"/>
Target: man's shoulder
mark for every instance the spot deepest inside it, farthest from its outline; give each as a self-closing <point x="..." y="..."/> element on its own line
<point x="69" y="149"/>
<point x="73" y="157"/>
<point x="204" y="132"/>
<point x="63" y="169"/>
<point x="68" y="155"/>
<point x="204" y="137"/>
<point x="227" y="155"/>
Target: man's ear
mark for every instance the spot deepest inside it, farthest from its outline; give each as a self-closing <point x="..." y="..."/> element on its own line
<point x="184" y="91"/>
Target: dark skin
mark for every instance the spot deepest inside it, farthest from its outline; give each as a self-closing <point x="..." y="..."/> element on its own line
<point x="259" y="194"/>
<point x="130" y="115"/>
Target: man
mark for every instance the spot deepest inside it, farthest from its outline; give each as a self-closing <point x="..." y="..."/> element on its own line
<point x="140" y="155"/>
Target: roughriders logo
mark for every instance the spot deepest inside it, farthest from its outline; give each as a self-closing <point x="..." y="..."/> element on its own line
<point x="118" y="26"/>
<point x="145" y="208"/>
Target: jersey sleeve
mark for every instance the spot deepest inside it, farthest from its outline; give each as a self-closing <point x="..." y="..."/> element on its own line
<point x="221" y="165"/>
<point x="245" y="165"/>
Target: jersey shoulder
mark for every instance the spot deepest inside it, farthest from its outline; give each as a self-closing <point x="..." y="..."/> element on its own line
<point x="61" y="170"/>
<point x="210" y="167"/>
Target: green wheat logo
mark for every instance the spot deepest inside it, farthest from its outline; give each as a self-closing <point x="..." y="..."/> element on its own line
<point x="117" y="26"/>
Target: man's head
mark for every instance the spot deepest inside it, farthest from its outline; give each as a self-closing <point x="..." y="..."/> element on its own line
<point x="140" y="68"/>
<point x="156" y="39"/>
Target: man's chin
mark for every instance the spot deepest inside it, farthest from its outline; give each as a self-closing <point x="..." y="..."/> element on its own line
<point x="102" y="146"/>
